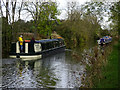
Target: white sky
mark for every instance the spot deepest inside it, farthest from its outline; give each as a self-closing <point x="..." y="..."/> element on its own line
<point x="62" y="5"/>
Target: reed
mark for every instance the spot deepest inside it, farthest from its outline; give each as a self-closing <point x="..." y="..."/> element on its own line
<point x="97" y="62"/>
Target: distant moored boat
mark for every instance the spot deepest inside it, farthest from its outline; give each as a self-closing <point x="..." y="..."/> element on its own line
<point x="104" y="40"/>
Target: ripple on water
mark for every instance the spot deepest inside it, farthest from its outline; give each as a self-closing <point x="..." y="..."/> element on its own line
<point x="54" y="71"/>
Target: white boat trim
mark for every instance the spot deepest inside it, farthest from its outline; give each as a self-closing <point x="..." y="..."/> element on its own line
<point x="26" y="47"/>
<point x="28" y="57"/>
<point x="17" y="48"/>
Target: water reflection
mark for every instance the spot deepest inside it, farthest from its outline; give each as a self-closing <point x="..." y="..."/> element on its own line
<point x="58" y="71"/>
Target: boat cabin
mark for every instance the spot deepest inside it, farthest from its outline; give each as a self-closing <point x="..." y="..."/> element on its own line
<point x="104" y="40"/>
<point x="37" y="47"/>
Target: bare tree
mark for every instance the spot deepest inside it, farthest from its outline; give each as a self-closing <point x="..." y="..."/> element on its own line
<point x="13" y="9"/>
<point x="72" y="10"/>
<point x="6" y="5"/>
<point x="7" y="12"/>
<point x="20" y="9"/>
<point x="1" y="9"/>
<point x="33" y="9"/>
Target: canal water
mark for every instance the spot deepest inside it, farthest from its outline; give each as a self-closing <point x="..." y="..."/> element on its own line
<point x="56" y="71"/>
<point x="62" y="70"/>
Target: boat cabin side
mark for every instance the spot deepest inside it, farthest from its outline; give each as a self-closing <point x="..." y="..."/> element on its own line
<point x="104" y="40"/>
<point x="36" y="46"/>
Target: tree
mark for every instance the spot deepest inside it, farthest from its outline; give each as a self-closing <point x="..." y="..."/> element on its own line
<point x="99" y="9"/>
<point x="1" y="9"/>
<point x="20" y="9"/>
<point x="115" y="18"/>
<point x="13" y="9"/>
<point x="79" y="28"/>
<point x="47" y="18"/>
<point x="8" y="28"/>
<point x="44" y="15"/>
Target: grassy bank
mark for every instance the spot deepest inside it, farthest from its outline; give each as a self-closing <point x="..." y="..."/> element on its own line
<point x="109" y="72"/>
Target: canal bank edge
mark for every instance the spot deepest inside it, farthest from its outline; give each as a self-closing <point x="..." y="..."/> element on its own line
<point x="109" y="72"/>
<point x="101" y="65"/>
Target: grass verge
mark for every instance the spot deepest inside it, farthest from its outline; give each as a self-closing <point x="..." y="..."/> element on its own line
<point x="110" y="71"/>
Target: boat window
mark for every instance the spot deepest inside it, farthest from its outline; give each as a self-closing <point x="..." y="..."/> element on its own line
<point x="43" y="46"/>
<point x="54" y="44"/>
<point x="57" y="43"/>
<point x="60" y="43"/>
<point x="47" y="45"/>
<point x="51" y="45"/>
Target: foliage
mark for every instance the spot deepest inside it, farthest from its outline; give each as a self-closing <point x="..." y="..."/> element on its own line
<point x="98" y="9"/>
<point x="47" y="18"/>
<point x="77" y="32"/>
<point x="109" y="72"/>
<point x="85" y="24"/>
<point x="44" y="15"/>
<point x="104" y="33"/>
<point x="104" y="10"/>
<point x="6" y="36"/>
<point x="22" y="26"/>
<point x="115" y="17"/>
<point x="79" y="29"/>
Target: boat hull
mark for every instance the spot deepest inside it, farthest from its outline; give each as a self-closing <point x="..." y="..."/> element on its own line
<point x="104" y="40"/>
<point x="38" y="55"/>
<point x="26" y="57"/>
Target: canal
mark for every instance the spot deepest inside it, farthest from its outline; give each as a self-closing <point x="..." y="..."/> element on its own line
<point x="63" y="70"/>
<point x="56" y="71"/>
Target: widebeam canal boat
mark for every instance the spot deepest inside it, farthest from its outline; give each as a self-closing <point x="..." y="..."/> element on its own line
<point x="36" y="49"/>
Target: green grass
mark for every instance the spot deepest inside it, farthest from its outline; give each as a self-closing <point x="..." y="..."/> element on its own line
<point x="110" y="71"/>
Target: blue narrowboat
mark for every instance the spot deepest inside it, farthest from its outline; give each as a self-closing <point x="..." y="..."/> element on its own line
<point x="36" y="49"/>
<point x="104" y="40"/>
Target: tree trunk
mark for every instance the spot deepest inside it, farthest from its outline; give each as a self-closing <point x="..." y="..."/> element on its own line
<point x="1" y="9"/>
<point x="13" y="10"/>
<point x="20" y="9"/>
<point x="7" y="12"/>
<point x="13" y="15"/>
<point x="7" y="5"/>
<point x="36" y="18"/>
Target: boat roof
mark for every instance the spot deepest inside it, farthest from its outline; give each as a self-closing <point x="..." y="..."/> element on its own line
<point x="105" y="37"/>
<point x="47" y="40"/>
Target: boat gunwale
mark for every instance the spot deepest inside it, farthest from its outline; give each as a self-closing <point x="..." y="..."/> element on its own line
<point x="36" y="53"/>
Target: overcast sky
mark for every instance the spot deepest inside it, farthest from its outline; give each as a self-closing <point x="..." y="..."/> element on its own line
<point x="62" y="5"/>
